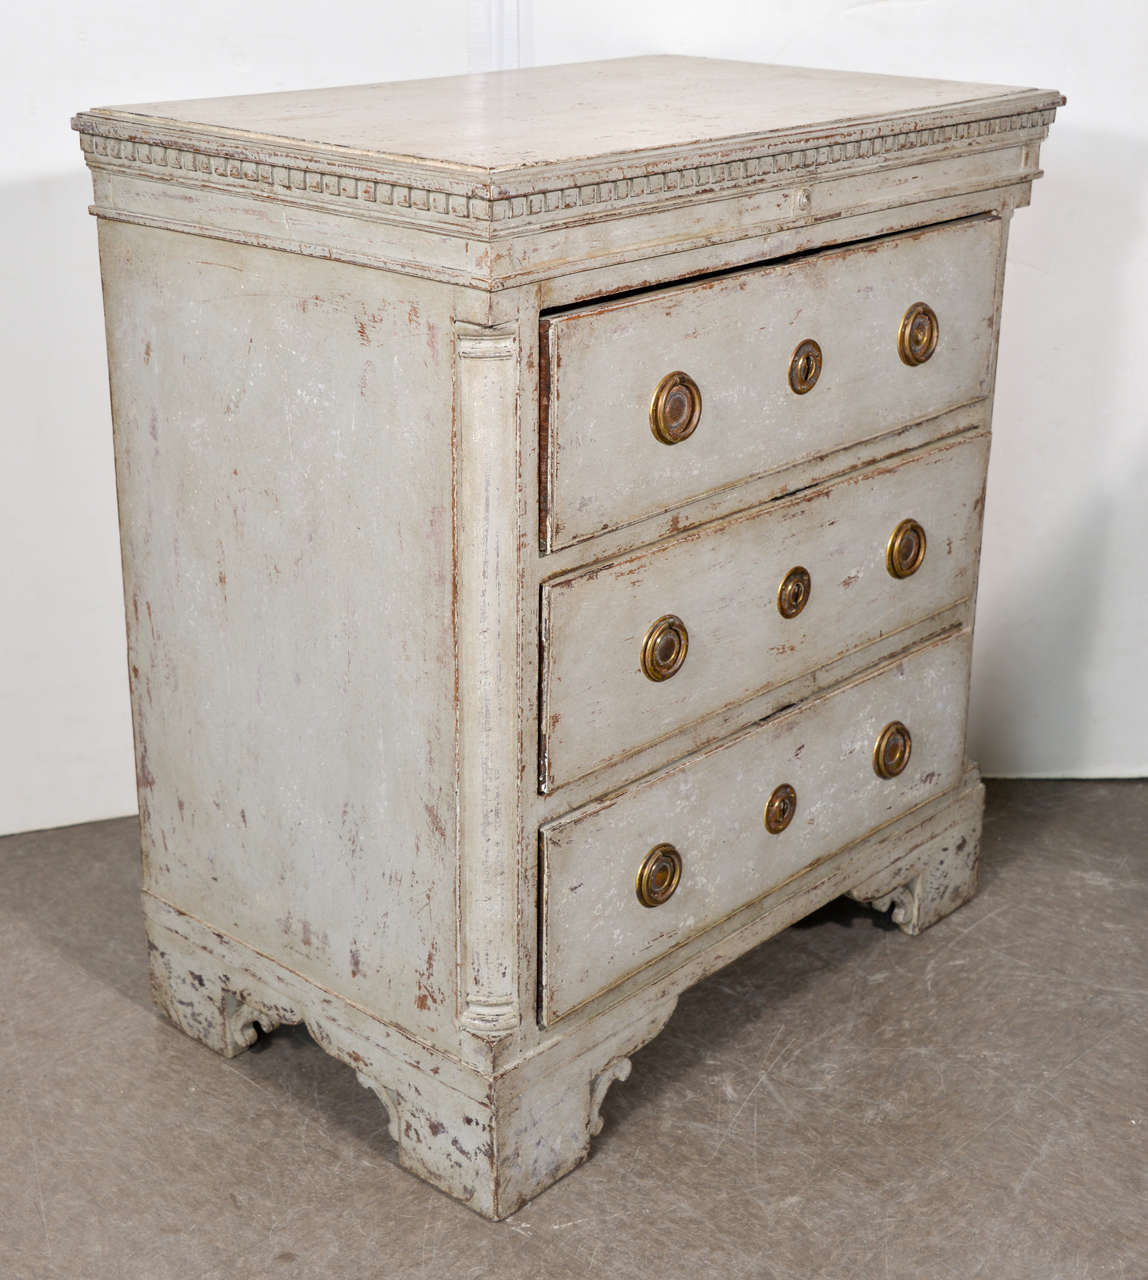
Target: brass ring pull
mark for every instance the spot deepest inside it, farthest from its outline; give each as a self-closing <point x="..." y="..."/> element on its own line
<point x="793" y="594"/>
<point x="659" y="875"/>
<point x="804" y="367"/>
<point x="664" y="648"/>
<point x="905" y="551"/>
<point x="676" y="408"/>
<point x="892" y="751"/>
<point x="920" y="330"/>
<point x="780" y="808"/>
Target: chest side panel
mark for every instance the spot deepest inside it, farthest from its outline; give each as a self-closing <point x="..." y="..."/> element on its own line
<point x="283" y="438"/>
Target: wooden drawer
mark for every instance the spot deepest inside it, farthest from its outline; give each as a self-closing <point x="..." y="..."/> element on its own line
<point x="710" y="808"/>
<point x="722" y="581"/>
<point x="734" y="335"/>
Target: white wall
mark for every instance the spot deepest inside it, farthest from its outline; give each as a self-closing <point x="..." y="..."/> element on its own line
<point x="1059" y="686"/>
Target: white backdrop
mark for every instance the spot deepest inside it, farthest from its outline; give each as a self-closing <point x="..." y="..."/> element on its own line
<point x="1060" y="686"/>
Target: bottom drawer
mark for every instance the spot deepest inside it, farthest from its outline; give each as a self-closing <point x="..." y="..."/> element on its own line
<point x="711" y="810"/>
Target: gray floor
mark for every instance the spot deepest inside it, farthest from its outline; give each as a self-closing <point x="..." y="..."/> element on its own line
<point x="842" y="1102"/>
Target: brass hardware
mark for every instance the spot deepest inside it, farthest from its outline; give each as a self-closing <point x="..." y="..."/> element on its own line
<point x="780" y="808"/>
<point x="905" y="551"/>
<point x="793" y="594"/>
<point x="659" y="874"/>
<point x="664" y="648"/>
<point x="804" y="366"/>
<point x="920" y="330"/>
<point x="891" y="754"/>
<point x="676" y="408"/>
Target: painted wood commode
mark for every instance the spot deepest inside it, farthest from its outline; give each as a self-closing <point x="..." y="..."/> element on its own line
<point x="551" y="507"/>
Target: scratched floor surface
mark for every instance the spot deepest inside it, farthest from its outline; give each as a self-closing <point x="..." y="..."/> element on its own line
<point x="843" y="1102"/>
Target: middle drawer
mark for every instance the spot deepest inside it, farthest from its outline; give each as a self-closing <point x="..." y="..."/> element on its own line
<point x="636" y="649"/>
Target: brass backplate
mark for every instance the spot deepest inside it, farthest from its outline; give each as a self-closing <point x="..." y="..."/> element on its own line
<point x="664" y="648"/>
<point x="659" y="875"/>
<point x="905" y="550"/>
<point x="918" y="335"/>
<point x="892" y="750"/>
<point x="805" y="366"/>
<point x="794" y="592"/>
<point x="676" y="408"/>
<point x="780" y="808"/>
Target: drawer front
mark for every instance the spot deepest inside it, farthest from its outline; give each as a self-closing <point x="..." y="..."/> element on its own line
<point x="735" y="336"/>
<point x="710" y="808"/>
<point x="723" y="585"/>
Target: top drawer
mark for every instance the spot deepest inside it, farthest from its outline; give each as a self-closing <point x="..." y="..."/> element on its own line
<point x="735" y="336"/>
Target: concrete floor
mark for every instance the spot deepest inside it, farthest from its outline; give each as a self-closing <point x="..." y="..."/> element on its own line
<point x="842" y="1102"/>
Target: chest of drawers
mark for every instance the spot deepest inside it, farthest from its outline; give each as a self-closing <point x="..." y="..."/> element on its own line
<point x="551" y="508"/>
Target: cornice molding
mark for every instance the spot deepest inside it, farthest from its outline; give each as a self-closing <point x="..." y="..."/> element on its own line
<point x="486" y="204"/>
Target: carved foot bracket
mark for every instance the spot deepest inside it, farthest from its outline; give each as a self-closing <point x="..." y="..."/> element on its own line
<point x="934" y="878"/>
<point x="549" y="1105"/>
<point x="219" y="991"/>
<point x="491" y="1140"/>
<point x="197" y="998"/>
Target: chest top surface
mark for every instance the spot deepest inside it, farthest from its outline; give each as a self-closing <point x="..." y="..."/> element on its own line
<point x="414" y="174"/>
<point x="560" y="115"/>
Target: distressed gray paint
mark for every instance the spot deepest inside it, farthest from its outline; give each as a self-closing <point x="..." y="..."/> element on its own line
<point x="734" y="336"/>
<point x="723" y="580"/>
<point x="710" y="806"/>
<point x="292" y="695"/>
<point x="326" y="370"/>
